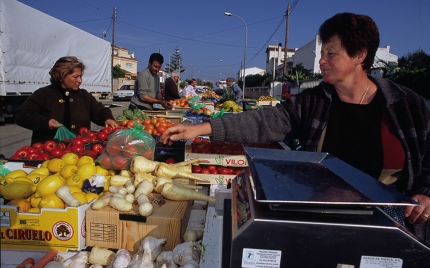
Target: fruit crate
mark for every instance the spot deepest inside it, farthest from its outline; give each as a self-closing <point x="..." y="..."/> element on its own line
<point x="59" y="229"/>
<point x="218" y="158"/>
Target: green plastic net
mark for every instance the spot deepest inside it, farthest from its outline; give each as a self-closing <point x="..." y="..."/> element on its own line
<point x="63" y="134"/>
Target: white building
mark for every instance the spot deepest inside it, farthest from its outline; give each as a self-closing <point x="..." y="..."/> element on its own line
<point x="275" y="57"/>
<point x="251" y="71"/>
<point x="309" y="55"/>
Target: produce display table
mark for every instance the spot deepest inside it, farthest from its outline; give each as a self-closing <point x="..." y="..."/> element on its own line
<point x="202" y="217"/>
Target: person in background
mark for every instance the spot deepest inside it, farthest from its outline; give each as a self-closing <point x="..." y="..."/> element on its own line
<point x="234" y="88"/>
<point x="63" y="102"/>
<point x="182" y="85"/>
<point x="147" y="86"/>
<point x="190" y="89"/>
<point x="171" y="88"/>
<point x="373" y="124"/>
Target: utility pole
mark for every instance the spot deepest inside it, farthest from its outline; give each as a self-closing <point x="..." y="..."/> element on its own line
<point x="112" y="45"/>
<point x="286" y="40"/>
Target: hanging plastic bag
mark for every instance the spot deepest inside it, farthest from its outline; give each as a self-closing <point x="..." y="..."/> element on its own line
<point x="125" y="144"/>
<point x="63" y="134"/>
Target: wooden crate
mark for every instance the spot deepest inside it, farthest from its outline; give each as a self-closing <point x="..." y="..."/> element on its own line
<point x="176" y="119"/>
<point x="110" y="228"/>
<point x="154" y="112"/>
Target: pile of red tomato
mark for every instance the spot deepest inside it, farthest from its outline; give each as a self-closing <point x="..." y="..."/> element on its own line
<point x="215" y="169"/>
<point x="88" y="142"/>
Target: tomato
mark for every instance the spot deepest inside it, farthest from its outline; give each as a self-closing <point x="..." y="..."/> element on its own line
<point x="168" y="124"/>
<point x="196" y="169"/>
<point x="97" y="147"/>
<point x="137" y="120"/>
<point x="237" y="171"/>
<point x="148" y="154"/>
<point x="161" y="119"/>
<point x="214" y="171"/>
<point x="161" y="129"/>
<point x="119" y="162"/>
<point x="57" y="152"/>
<point x="170" y="161"/>
<point x="49" y="146"/>
<point x="105" y="161"/>
<point x="103" y="136"/>
<point x="211" y="167"/>
<point x="38" y="146"/>
<point x="83" y="131"/>
<point x="130" y="151"/>
<point x="205" y="171"/>
<point x="154" y="120"/>
<point x="130" y="123"/>
<point x="113" y="148"/>
<point x="147" y="121"/>
<point x="77" y="149"/>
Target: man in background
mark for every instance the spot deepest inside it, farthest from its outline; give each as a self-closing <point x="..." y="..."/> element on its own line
<point x="190" y="89"/>
<point x="234" y="88"/>
<point x="171" y="88"/>
<point x="147" y="86"/>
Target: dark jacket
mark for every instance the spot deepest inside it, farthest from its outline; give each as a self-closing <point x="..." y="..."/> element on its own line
<point x="305" y="115"/>
<point x="48" y="103"/>
<point x="171" y="90"/>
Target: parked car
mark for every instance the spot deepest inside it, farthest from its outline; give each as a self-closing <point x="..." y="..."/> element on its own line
<point x="124" y="93"/>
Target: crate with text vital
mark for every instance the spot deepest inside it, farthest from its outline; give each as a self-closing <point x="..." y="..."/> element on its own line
<point x="223" y="153"/>
<point x="215" y="153"/>
<point x="59" y="229"/>
<point x="216" y="174"/>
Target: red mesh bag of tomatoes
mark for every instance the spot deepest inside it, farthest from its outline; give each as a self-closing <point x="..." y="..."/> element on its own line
<point x="125" y="144"/>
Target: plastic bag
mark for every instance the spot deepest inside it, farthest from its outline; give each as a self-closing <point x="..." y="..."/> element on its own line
<point x="3" y="170"/>
<point x="219" y="114"/>
<point x="125" y="144"/>
<point x="63" y="134"/>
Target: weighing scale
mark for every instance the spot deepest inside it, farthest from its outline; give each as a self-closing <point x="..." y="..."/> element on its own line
<point x="305" y="209"/>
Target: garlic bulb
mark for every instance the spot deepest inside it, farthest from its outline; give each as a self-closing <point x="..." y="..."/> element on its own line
<point x="151" y="248"/>
<point x="165" y="259"/>
<point x="122" y="259"/>
<point x="187" y="251"/>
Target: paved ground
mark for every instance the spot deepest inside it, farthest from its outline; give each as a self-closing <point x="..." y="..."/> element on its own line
<point x="13" y="137"/>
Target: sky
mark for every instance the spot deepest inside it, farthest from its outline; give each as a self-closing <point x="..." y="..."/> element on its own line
<point x="212" y="45"/>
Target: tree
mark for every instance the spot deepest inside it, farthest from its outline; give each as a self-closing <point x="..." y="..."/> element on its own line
<point x="175" y="62"/>
<point x="417" y="59"/>
<point x="117" y="72"/>
<point x="413" y="72"/>
<point x="253" y="80"/>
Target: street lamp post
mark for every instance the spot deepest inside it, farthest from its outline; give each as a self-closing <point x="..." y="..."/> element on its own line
<point x="244" y="55"/>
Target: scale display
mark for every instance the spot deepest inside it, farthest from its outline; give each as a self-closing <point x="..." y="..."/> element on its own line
<point x="317" y="179"/>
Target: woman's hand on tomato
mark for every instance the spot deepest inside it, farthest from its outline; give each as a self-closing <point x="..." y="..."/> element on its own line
<point x="416" y="214"/>
<point x="111" y="123"/>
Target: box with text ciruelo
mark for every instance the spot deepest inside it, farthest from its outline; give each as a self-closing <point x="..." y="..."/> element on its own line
<point x="225" y="159"/>
<point x="59" y="229"/>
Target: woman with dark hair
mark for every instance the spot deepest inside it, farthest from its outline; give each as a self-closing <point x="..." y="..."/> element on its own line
<point x="375" y="125"/>
<point x="62" y="103"/>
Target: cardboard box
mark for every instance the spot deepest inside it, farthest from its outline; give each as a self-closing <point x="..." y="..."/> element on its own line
<point x="59" y="229"/>
<point x="111" y="228"/>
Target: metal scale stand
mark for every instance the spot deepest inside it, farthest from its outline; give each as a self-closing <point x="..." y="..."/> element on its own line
<point x="304" y="209"/>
